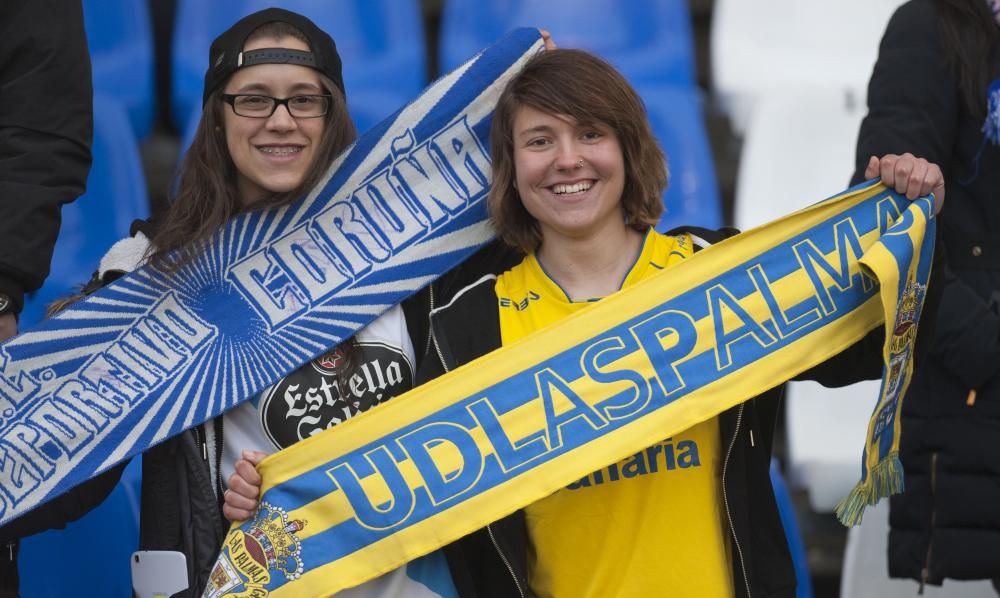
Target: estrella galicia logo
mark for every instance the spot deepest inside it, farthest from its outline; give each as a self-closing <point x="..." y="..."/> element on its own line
<point x="310" y="400"/>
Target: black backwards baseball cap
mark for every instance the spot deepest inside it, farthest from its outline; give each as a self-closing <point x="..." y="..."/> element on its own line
<point x="226" y="55"/>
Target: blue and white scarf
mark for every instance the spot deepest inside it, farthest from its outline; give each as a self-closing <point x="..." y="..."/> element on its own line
<point x="154" y="354"/>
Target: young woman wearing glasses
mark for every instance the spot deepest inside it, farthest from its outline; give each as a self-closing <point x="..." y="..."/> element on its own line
<point x="274" y="118"/>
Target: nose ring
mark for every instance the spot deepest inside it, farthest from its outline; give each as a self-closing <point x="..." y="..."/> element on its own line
<point x="579" y="163"/>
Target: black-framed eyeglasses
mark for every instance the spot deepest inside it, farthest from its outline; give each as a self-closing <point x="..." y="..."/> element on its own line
<point x="261" y="106"/>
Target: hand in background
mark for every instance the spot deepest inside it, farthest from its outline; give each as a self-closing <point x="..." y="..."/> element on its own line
<point x="909" y="175"/>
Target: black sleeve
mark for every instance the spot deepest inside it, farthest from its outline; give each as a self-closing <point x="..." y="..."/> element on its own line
<point x="967" y="333"/>
<point x="46" y="126"/>
<point x="861" y="361"/>
<point x="914" y="105"/>
<point x="913" y="99"/>
<point x="65" y="508"/>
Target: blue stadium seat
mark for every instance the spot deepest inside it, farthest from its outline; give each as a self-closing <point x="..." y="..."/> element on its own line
<point x="120" y="37"/>
<point x="90" y="557"/>
<point x="792" y="535"/>
<point x="678" y="123"/>
<point x="116" y="195"/>
<point x="648" y="40"/>
<point x="381" y="44"/>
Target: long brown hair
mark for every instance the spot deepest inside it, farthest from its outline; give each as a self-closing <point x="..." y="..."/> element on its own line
<point x="206" y="197"/>
<point x="587" y="89"/>
<point x="970" y="39"/>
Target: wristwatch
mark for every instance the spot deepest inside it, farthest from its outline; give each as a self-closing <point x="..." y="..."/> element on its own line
<point x="6" y="305"/>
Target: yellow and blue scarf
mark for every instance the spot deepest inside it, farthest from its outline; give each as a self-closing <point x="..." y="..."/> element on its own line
<point x="464" y="450"/>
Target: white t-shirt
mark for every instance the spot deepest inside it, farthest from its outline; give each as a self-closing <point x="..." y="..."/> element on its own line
<point x="309" y="401"/>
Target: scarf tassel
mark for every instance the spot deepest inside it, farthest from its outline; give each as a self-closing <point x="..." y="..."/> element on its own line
<point x="885" y="479"/>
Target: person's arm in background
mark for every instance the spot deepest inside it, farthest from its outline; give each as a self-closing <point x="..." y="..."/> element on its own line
<point x="46" y="128"/>
<point x="63" y="509"/>
<point x="915" y="106"/>
<point x="913" y="103"/>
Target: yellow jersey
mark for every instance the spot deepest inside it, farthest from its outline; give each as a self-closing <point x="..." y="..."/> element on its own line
<point x="649" y="525"/>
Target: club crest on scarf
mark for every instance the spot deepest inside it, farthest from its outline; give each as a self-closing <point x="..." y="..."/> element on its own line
<point x="904" y="334"/>
<point x="250" y="558"/>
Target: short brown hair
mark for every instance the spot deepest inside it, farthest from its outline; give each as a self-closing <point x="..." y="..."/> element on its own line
<point x="587" y="89"/>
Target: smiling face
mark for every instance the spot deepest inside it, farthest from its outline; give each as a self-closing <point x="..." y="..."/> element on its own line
<point x="569" y="176"/>
<point x="272" y="155"/>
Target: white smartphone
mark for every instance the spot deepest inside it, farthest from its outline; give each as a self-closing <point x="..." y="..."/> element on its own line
<point x="158" y="573"/>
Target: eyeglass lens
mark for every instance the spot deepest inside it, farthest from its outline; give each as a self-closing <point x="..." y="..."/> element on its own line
<point x="305" y="106"/>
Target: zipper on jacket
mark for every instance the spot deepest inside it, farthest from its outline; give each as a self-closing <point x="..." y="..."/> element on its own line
<point x="220" y="489"/>
<point x="725" y="500"/>
<point x="430" y="322"/>
<point x="503" y="557"/>
<point x="199" y="434"/>
<point x="10" y="550"/>
<point x="432" y="338"/>
<point x="925" y="572"/>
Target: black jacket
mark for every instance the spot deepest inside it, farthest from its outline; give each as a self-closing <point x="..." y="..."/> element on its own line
<point x="465" y="325"/>
<point x="180" y="508"/>
<point x="46" y="126"/>
<point x="947" y="523"/>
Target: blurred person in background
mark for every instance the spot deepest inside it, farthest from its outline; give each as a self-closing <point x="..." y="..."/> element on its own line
<point x="931" y="93"/>
<point x="46" y="128"/>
